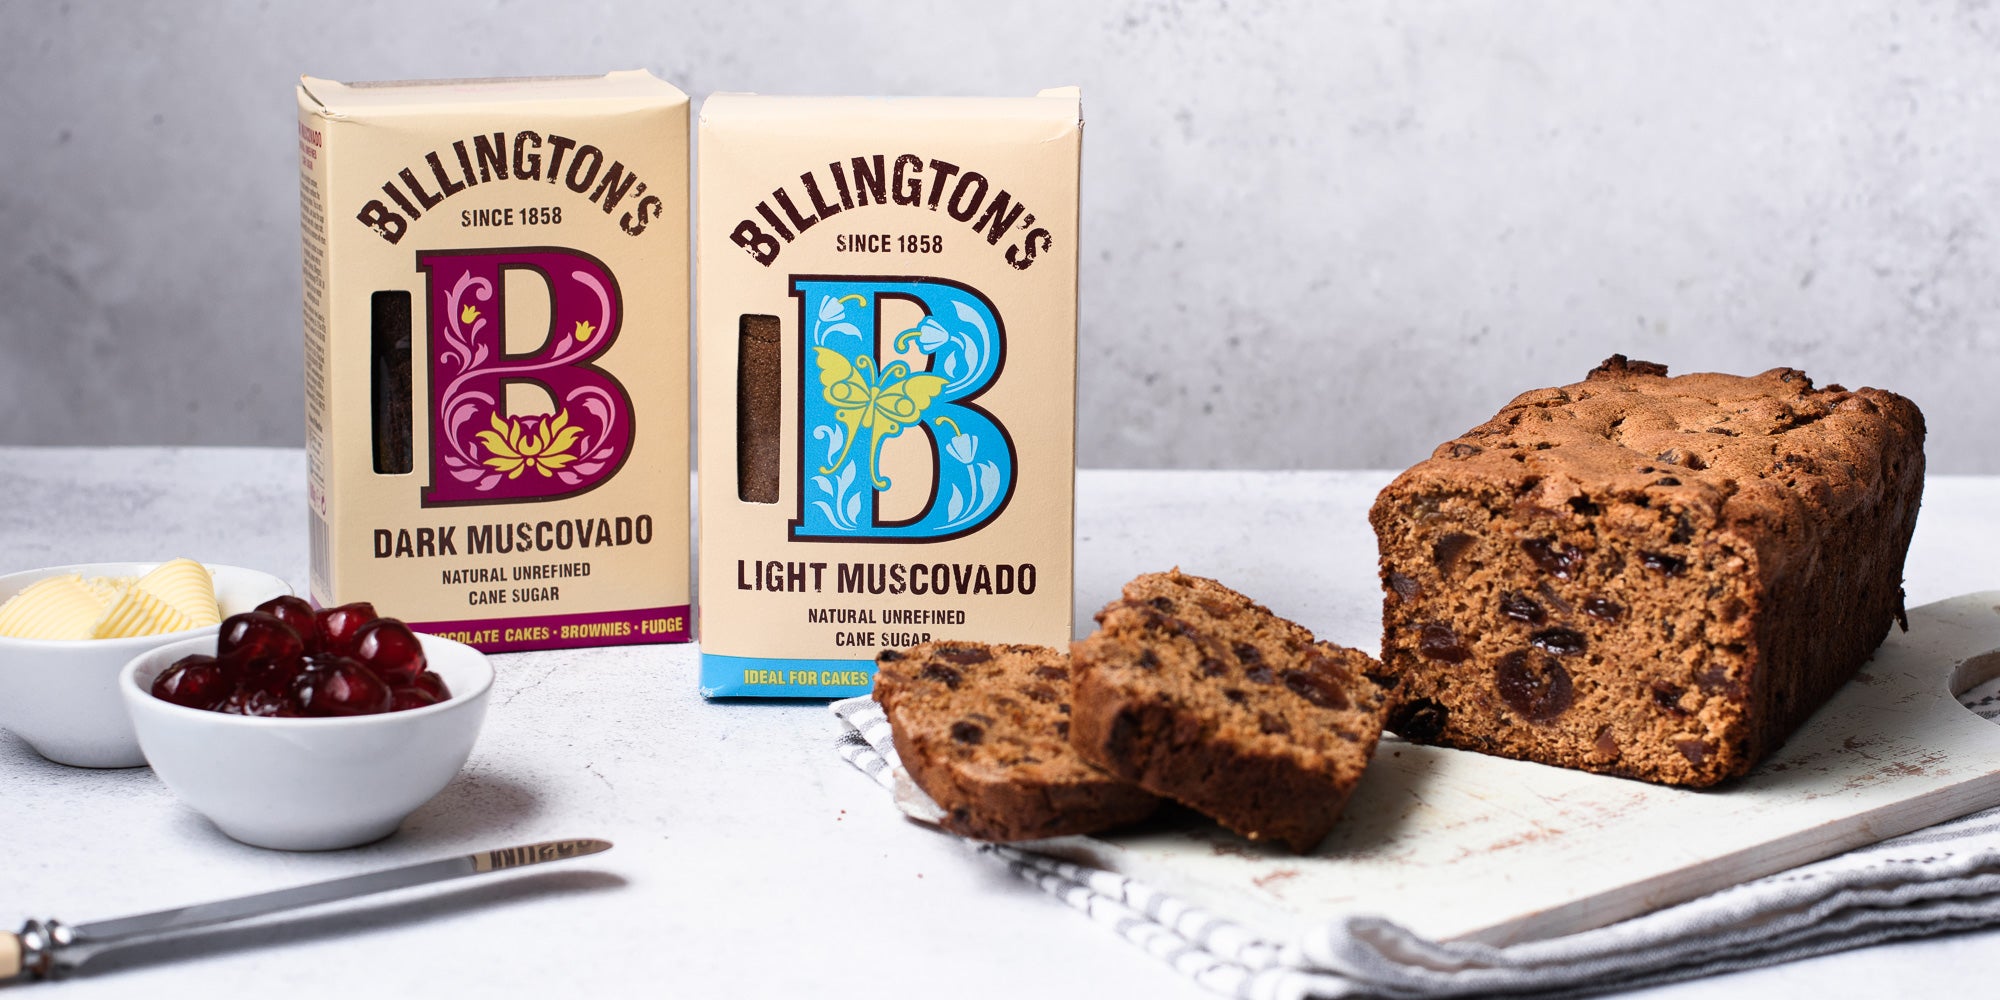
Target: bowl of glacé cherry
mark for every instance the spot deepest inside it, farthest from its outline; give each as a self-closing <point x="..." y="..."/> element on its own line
<point x="284" y="660"/>
<point x="307" y="729"/>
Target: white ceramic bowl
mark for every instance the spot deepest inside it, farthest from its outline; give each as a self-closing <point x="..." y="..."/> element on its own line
<point x="62" y="695"/>
<point x="309" y="784"/>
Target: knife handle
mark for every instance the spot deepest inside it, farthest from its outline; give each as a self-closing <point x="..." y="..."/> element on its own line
<point x="31" y="951"/>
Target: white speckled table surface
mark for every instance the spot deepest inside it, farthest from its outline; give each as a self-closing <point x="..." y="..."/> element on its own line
<point x="751" y="861"/>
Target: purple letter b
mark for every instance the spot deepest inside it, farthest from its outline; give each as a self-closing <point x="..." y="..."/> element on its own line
<point x="479" y="452"/>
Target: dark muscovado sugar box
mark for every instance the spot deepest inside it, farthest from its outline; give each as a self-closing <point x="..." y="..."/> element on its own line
<point x="496" y="355"/>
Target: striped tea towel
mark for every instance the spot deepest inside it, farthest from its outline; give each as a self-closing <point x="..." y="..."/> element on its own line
<point x="1945" y="878"/>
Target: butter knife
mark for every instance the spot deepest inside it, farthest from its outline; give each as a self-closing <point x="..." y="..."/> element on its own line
<point x="47" y="948"/>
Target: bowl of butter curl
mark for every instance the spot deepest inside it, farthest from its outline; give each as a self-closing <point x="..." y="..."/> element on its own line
<point x="67" y="631"/>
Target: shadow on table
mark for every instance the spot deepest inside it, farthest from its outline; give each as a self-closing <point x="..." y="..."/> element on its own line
<point x="477" y="805"/>
<point x="348" y="921"/>
<point x="472" y="809"/>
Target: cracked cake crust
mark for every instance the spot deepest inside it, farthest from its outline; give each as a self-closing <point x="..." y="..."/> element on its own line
<point x="1651" y="576"/>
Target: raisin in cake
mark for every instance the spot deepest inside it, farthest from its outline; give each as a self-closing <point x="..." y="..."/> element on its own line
<point x="1646" y="576"/>
<point x="1201" y="695"/>
<point x="984" y="730"/>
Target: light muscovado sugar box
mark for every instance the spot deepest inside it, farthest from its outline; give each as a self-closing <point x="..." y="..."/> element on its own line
<point x="886" y="366"/>
<point x="496" y="301"/>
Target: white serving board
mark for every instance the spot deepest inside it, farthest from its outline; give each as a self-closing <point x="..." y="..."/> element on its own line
<point x="1454" y="844"/>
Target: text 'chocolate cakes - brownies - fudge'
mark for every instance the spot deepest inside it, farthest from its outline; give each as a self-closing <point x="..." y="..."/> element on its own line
<point x="1646" y="576"/>
<point x="984" y="730"/>
<point x="1195" y="692"/>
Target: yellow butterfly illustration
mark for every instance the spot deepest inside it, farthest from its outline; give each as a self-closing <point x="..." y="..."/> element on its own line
<point x="882" y="402"/>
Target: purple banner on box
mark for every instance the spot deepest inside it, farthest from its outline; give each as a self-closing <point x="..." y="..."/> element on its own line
<point x="601" y="628"/>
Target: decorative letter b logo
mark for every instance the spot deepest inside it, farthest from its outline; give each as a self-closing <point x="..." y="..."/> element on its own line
<point x="854" y="403"/>
<point x="481" y="453"/>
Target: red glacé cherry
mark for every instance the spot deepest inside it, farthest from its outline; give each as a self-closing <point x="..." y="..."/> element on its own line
<point x="430" y="683"/>
<point x="194" y="681"/>
<point x="294" y="611"/>
<point x="258" y="637"/>
<point x="407" y="698"/>
<point x="337" y="626"/>
<point x="262" y="704"/>
<point x="260" y="649"/>
<point x="391" y="650"/>
<point x="339" y="685"/>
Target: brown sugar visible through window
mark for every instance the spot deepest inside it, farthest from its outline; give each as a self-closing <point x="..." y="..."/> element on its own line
<point x="389" y="380"/>
<point x="759" y="408"/>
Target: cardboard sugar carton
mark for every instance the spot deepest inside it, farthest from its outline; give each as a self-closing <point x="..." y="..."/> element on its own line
<point x="496" y="302"/>
<point x="886" y="366"/>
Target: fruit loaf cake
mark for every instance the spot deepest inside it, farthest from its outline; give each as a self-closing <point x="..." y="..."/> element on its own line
<point x="1199" y="694"/>
<point x="1646" y="576"/>
<point x="984" y="730"/>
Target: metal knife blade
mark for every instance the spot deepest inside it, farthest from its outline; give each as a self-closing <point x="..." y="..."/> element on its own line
<point x="42" y="947"/>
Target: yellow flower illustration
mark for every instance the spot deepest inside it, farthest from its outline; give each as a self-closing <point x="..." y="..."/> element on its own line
<point x="584" y="330"/>
<point x="545" y="450"/>
<point x="468" y="314"/>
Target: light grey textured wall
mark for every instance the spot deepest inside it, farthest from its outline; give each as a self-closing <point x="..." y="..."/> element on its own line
<point x="1316" y="234"/>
